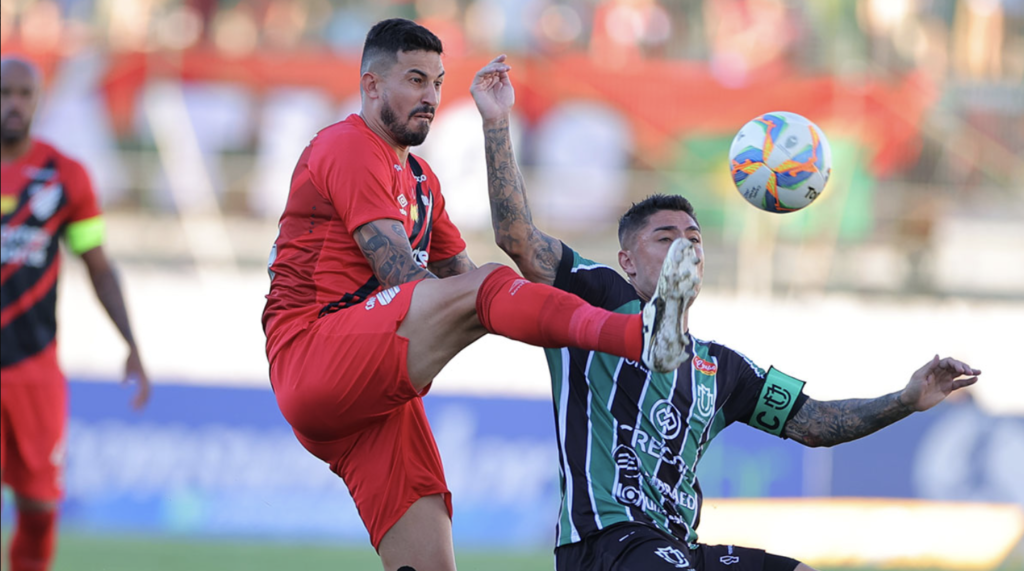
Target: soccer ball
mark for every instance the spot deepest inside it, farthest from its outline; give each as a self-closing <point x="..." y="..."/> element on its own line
<point x="780" y="161"/>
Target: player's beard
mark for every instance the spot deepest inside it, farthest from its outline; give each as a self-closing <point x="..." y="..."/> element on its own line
<point x="401" y="132"/>
<point x="13" y="135"/>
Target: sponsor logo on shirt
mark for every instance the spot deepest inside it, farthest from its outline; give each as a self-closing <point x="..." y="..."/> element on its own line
<point x="422" y="258"/>
<point x="706" y="367"/>
<point x="666" y="418"/>
<point x="627" y="477"/>
<point x="25" y="245"/>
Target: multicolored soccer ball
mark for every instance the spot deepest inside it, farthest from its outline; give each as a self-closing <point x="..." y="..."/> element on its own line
<point x="780" y="161"/>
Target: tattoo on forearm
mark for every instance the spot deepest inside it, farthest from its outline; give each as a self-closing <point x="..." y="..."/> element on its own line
<point x="533" y="251"/>
<point x="829" y="423"/>
<point x="389" y="255"/>
<point x="453" y="266"/>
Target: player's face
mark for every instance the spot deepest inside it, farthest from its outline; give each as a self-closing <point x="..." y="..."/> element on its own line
<point x="410" y="96"/>
<point x="649" y="246"/>
<point x="18" y="95"/>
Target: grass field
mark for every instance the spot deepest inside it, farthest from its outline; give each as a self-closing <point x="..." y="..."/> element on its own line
<point x="79" y="552"/>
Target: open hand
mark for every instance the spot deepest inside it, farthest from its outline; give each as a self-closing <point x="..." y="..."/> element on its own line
<point x="933" y="382"/>
<point x="492" y="90"/>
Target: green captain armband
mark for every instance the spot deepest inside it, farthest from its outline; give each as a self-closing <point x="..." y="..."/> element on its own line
<point x="84" y="235"/>
<point x="777" y="399"/>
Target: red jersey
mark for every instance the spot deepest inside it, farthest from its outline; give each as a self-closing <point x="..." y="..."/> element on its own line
<point x="346" y="177"/>
<point x="44" y="195"/>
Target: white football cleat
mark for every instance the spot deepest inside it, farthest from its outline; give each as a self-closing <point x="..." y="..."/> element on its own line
<point x="664" y="338"/>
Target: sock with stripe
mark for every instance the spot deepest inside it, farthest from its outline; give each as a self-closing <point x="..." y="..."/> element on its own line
<point x="541" y="315"/>
<point x="32" y="546"/>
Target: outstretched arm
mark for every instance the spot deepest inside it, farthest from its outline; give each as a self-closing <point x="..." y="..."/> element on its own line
<point x="534" y="252"/>
<point x="108" y="290"/>
<point x="829" y="423"/>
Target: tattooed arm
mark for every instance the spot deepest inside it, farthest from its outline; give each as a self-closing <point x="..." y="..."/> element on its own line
<point x="829" y="423"/>
<point x="534" y="252"/>
<point x="385" y="244"/>
<point x="453" y="266"/>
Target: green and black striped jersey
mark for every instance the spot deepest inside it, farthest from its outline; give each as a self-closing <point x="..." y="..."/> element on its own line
<point x="629" y="439"/>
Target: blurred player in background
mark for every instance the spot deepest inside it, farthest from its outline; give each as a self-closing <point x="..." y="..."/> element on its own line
<point x="44" y="196"/>
<point x="357" y="325"/>
<point x="630" y="438"/>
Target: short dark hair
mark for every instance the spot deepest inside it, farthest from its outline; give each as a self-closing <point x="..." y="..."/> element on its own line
<point x="388" y="37"/>
<point x="639" y="212"/>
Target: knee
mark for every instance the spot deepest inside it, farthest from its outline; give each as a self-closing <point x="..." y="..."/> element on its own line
<point x="476" y="278"/>
<point x="34" y="505"/>
<point x="487" y="269"/>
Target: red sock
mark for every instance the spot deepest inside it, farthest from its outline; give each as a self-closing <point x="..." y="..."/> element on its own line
<point x="32" y="546"/>
<point x="541" y="315"/>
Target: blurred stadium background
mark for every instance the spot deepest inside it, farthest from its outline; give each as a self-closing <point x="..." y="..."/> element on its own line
<point x="190" y="115"/>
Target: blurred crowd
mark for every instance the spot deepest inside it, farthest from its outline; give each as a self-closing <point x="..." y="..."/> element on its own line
<point x="964" y="39"/>
<point x="201" y="106"/>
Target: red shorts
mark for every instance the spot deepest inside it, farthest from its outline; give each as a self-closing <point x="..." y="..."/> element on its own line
<point x="33" y="418"/>
<point x="343" y="385"/>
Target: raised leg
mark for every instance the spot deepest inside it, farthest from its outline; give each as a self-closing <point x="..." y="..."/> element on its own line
<point x="421" y="540"/>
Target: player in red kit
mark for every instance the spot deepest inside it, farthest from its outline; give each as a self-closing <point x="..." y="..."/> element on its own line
<point x="358" y="324"/>
<point x="44" y="197"/>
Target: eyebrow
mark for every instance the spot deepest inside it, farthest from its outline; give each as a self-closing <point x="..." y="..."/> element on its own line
<point x="423" y="73"/>
<point x="659" y="228"/>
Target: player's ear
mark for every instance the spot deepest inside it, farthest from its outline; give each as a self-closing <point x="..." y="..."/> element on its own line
<point x="626" y="263"/>
<point x="369" y="84"/>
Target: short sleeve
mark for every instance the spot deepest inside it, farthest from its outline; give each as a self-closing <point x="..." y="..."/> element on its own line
<point x="85" y="228"/>
<point x="356" y="178"/>
<point x="597" y="284"/>
<point x="745" y="379"/>
<point x="764" y="400"/>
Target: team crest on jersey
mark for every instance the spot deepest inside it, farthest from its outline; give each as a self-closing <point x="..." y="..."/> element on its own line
<point x="45" y="199"/>
<point x="705" y="398"/>
<point x="706" y="367"/>
<point x="39" y="174"/>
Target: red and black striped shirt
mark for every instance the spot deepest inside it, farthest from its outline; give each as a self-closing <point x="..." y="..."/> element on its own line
<point x="44" y="196"/>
